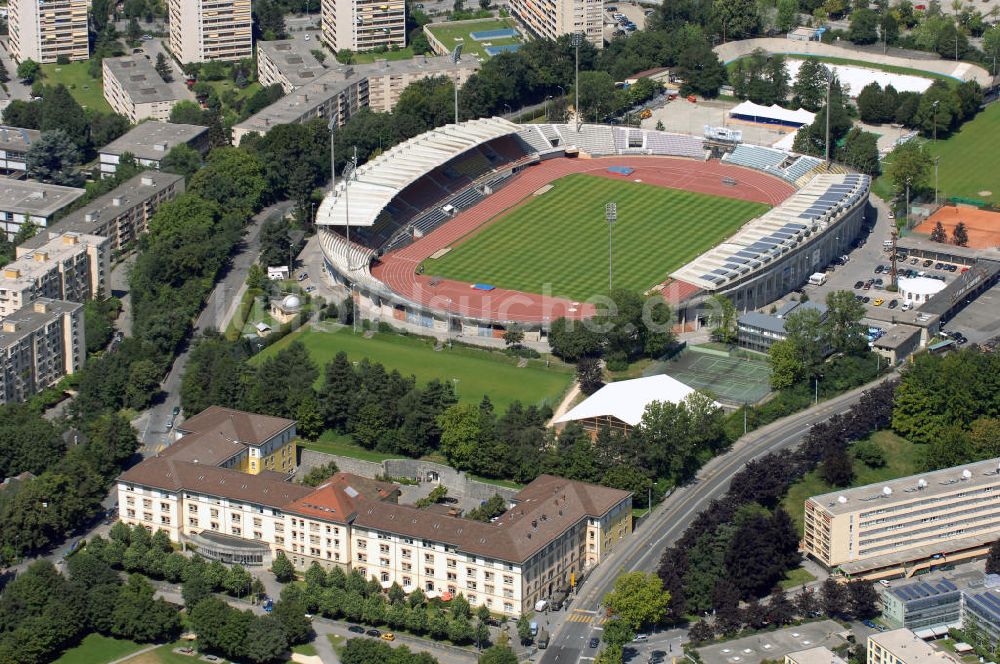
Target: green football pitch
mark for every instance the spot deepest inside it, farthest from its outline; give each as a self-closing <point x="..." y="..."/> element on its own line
<point x="558" y="240"/>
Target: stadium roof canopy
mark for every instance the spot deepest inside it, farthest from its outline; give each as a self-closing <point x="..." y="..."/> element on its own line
<point x="626" y="400"/>
<point x="800" y="219"/>
<point x="380" y="180"/>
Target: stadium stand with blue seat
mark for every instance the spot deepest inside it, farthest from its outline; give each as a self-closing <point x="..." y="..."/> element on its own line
<point x="754" y="156"/>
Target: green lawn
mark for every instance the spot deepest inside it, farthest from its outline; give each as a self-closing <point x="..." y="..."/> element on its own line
<point x="97" y="649"/>
<point x="368" y="57"/>
<point x="331" y="442"/>
<point x="477" y="372"/>
<point x="307" y="649"/>
<point x="899" y="453"/>
<point x="559" y="240"/>
<point x="87" y="91"/>
<point x="796" y="578"/>
<point x="453" y="35"/>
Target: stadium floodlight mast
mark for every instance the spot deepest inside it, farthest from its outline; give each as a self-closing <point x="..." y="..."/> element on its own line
<point x="456" y="56"/>
<point x="350" y="170"/>
<point x="577" y="40"/>
<point x="611" y="214"/>
<point x="829" y="84"/>
<point x="333" y="166"/>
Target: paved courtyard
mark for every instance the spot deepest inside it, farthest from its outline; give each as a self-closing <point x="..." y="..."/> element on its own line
<point x="774" y="645"/>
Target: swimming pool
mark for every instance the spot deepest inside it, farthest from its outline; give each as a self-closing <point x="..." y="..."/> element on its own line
<point x="500" y="33"/>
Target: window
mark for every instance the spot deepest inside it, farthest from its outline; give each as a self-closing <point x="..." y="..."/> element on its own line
<point x="214" y="525"/>
<point x="362" y="557"/>
<point x="193" y="522"/>
<point x="490" y="589"/>
<point x="215" y="513"/>
<point x="256" y="522"/>
<point x="428" y="571"/>
<point x="508" y="579"/>
<point x="405" y="553"/>
<point x="236" y="518"/>
<point x="470" y="571"/>
<point x="451" y="562"/>
<point x="383" y="548"/>
<point x="471" y="585"/>
<point x="407" y="582"/>
<point x="258" y="535"/>
<point x="147" y="516"/>
<point x="407" y="567"/>
<point x="362" y="544"/>
<point x="430" y="585"/>
<point x="384" y="577"/>
<point x="508" y="607"/>
<point x="452" y="576"/>
<point x="164" y="507"/>
<point x="192" y="509"/>
<point x="236" y="530"/>
<point x="384" y="562"/>
<point x="165" y="520"/>
<point x="488" y="576"/>
<point x="428" y="558"/>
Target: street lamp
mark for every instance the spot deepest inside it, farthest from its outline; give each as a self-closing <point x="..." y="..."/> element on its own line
<point x="333" y="165"/>
<point x="829" y="84"/>
<point x="507" y="106"/>
<point x="456" y="55"/>
<point x="547" y="107"/>
<point x="935" y="105"/>
<point x="906" y="213"/>
<point x="577" y="40"/>
<point x="937" y="161"/>
<point x="611" y="214"/>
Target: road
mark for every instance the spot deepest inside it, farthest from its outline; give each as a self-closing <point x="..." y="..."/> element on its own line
<point x="573" y="627"/>
<point x="153" y="423"/>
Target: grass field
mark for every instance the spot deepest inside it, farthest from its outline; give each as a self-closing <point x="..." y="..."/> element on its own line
<point x="401" y="54"/>
<point x="458" y="33"/>
<point x="899" y="453"/>
<point x="560" y="238"/>
<point x="87" y="91"/>
<point x="477" y="372"/>
<point x="97" y="649"/>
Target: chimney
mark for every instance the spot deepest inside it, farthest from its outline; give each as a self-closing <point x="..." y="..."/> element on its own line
<point x="11" y="273"/>
<point x="41" y="256"/>
<point x="90" y="216"/>
<point x="9" y="326"/>
<point x="160" y="147"/>
<point x="147" y="181"/>
<point x="71" y="238"/>
<point x="41" y="307"/>
<point x="117" y="201"/>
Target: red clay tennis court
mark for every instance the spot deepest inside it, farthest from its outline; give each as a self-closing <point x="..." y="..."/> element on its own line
<point x="983" y="226"/>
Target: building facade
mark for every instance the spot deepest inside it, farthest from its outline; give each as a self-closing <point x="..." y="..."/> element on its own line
<point x="757" y="331"/>
<point x="39" y="345"/>
<point x="201" y="489"/>
<point x="120" y="215"/>
<point x="150" y="142"/>
<point x="22" y="201"/>
<point x="922" y="605"/>
<point x="289" y="63"/>
<point x="14" y="145"/>
<point x="907" y="524"/>
<point x="901" y="646"/>
<point x="134" y="89"/>
<point x="69" y="267"/>
<point x="981" y="613"/>
<point x="43" y="30"/>
<point x="363" y="25"/>
<point x="203" y="30"/>
<point x="550" y="19"/>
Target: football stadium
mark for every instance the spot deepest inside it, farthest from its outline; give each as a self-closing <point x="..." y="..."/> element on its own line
<point x="475" y="226"/>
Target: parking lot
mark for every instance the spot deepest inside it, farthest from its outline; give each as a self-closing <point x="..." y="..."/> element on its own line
<point x="618" y="15"/>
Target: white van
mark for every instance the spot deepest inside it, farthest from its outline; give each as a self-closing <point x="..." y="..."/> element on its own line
<point x="817" y="279"/>
<point x="906" y="306"/>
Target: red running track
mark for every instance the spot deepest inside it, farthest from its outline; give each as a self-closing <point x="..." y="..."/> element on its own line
<point x="398" y="269"/>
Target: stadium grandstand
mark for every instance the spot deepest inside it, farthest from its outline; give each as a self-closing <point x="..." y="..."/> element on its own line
<point x="461" y="171"/>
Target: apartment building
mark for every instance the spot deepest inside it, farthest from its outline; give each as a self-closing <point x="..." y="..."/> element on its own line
<point x="923" y="605"/>
<point x="134" y="89"/>
<point x="345" y="89"/>
<point x="150" y="142"/>
<point x="906" y="525"/>
<point x="554" y="533"/>
<point x="39" y="345"/>
<point x="120" y="215"/>
<point x="362" y="25"/>
<point x="14" y="145"/>
<point x="241" y="441"/>
<point x="43" y="30"/>
<point x="202" y="30"/>
<point x="26" y="200"/>
<point x="70" y="266"/>
<point x="901" y="646"/>
<point x="289" y="63"/>
<point x="550" y="19"/>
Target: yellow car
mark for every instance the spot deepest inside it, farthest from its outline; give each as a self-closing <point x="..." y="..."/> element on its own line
<point x="878" y="302"/>
<point x="388" y="636"/>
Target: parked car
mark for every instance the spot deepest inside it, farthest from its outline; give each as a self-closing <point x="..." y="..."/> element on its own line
<point x="594" y="642"/>
<point x="641" y="637"/>
<point x="865" y="299"/>
<point x="388" y="636"/>
<point x="893" y="304"/>
<point x="878" y="269"/>
<point x="952" y="268"/>
<point x="913" y="261"/>
<point x="356" y="629"/>
<point x="938" y="266"/>
<point x="928" y="263"/>
<point x="374" y="632"/>
<point x="859" y="285"/>
<point x="878" y="302"/>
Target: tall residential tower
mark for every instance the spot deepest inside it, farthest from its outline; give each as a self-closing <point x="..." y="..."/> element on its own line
<point x="363" y="25"/>
<point x="202" y="30"/>
<point x="42" y="30"/>
<point x="549" y="19"/>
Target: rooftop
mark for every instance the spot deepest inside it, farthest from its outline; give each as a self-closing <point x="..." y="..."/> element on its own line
<point x="26" y="320"/>
<point x="17" y="139"/>
<point x="33" y="263"/>
<point x="153" y="140"/>
<point x="912" y="488"/>
<point x="987" y="601"/>
<point x="237" y="425"/>
<point x="909" y="648"/>
<point x="98" y="211"/>
<point x="923" y="589"/>
<point x="817" y="655"/>
<point x="142" y="83"/>
<point x="627" y="400"/>
<point x="35" y="198"/>
<point x="294" y="59"/>
<point x="896" y="336"/>
<point x="921" y="285"/>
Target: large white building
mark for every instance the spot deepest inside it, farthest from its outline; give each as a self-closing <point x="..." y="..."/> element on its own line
<point x="43" y="30"/>
<point x="200" y="490"/>
<point x="202" y="30"/>
<point x="363" y="25"/>
<point x="40" y="344"/>
<point x="550" y="19"/>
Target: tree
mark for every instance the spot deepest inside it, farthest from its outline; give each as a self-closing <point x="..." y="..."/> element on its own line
<point x="700" y="68"/>
<point x="833" y="598"/>
<point x="589" y="375"/>
<point x="735" y="19"/>
<point x="597" y="96"/>
<point x="722" y="319"/>
<point x="939" y="110"/>
<point x="188" y="112"/>
<point x="939" y="234"/>
<point x="4" y="74"/>
<point x="264" y="641"/>
<point x="28" y="71"/>
<point x="524" y="629"/>
<point x="869" y="453"/>
<point x="60" y="111"/>
<point x="282" y="568"/>
<point x="960" y="235"/>
<point x="888" y="27"/>
<point x="863" y="600"/>
<point x="786" y="365"/>
<point x="140" y="617"/>
<point x="701" y="631"/>
<point x="809" y="89"/>
<point x="788" y="15"/>
<point x="571" y="339"/>
<point x="231" y="177"/>
<point x="993" y="559"/>
<point x="513" y="336"/>
<point x="143" y="384"/>
<point x="984" y="437"/>
<point x="638" y="599"/>
<point x="163" y="68"/>
<point x="837" y="467"/>
<point x="842" y="329"/>
<point x="53" y="158"/>
<point x="498" y="655"/>
<point x="864" y="27"/>
<point x="106" y="127"/>
<point x="860" y="151"/>
<point x="908" y="163"/>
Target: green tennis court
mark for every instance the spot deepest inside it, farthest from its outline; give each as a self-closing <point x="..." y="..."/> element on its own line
<point x="734" y="378"/>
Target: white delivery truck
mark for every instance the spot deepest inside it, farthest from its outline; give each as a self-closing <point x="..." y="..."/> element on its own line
<point x="817" y="279"/>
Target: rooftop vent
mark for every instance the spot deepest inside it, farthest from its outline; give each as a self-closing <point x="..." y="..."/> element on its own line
<point x="886" y="491"/>
<point x="921" y="483"/>
<point x="966" y="474"/>
<point x="147" y="181"/>
<point x="841" y="499"/>
<point x="117" y="201"/>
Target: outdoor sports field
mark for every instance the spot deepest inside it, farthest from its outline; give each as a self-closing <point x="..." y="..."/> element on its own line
<point x="560" y="238"/>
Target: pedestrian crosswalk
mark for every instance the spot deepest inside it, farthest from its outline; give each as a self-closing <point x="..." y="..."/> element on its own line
<point x="579" y="616"/>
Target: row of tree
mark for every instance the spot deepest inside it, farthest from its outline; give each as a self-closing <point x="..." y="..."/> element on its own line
<point x="938" y="111"/>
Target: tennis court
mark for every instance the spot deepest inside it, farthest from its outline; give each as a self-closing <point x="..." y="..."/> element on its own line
<point x="734" y="378"/>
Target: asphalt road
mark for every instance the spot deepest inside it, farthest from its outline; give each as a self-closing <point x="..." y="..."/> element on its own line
<point x="153" y="423"/>
<point x="573" y="627"/>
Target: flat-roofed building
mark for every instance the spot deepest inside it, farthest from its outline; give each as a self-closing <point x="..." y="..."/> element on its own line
<point x="903" y="526"/>
<point x="150" y="142"/>
<point x="758" y="331"/>
<point x="922" y="605"/>
<point x="14" y="145"/>
<point x="120" y="215"/>
<point x="554" y="531"/>
<point x="550" y="20"/>
<point x="25" y="200"/>
<point x="901" y="646"/>
<point x="203" y="30"/>
<point x="818" y="655"/>
<point x="70" y="266"/>
<point x="981" y="610"/>
<point x="363" y="25"/>
<point x="40" y="344"/>
<point x="134" y="89"/>
<point x="43" y="30"/>
<point x="345" y="89"/>
<point x="289" y="63"/>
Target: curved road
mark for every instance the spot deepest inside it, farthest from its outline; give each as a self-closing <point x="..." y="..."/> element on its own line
<point x="669" y="521"/>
